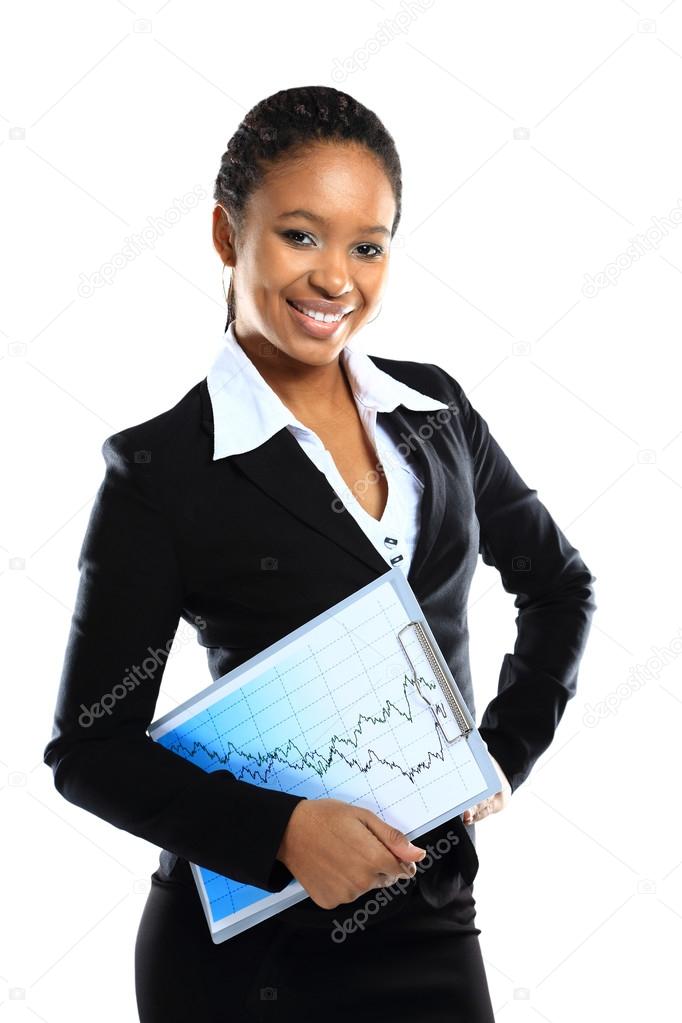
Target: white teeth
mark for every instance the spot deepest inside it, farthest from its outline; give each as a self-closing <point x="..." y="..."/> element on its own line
<point x="323" y="317"/>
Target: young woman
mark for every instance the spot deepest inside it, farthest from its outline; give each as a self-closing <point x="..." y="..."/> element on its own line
<point x="296" y="472"/>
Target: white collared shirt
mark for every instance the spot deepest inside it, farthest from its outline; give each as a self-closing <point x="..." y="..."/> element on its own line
<point x="247" y="412"/>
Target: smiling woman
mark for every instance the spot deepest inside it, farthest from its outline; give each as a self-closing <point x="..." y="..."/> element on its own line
<point x="296" y="472"/>
<point x="308" y="201"/>
<point x="308" y="245"/>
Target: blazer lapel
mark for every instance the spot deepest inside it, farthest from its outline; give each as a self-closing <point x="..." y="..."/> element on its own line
<point x="283" y="470"/>
<point x="406" y="424"/>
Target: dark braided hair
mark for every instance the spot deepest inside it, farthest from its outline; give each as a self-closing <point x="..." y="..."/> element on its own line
<point x="286" y="123"/>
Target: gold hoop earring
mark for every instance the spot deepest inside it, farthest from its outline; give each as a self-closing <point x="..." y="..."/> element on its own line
<point x="374" y="317"/>
<point x="223" y="278"/>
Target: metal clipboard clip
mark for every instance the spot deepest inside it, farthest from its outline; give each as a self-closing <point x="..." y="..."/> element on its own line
<point x="452" y="730"/>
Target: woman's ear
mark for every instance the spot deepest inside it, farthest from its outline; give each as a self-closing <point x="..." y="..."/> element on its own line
<point x="223" y="236"/>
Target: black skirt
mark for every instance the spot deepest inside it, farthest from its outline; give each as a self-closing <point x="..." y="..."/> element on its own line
<point x="394" y="958"/>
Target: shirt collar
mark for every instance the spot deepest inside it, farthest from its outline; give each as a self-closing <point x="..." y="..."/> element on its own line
<point x="247" y="412"/>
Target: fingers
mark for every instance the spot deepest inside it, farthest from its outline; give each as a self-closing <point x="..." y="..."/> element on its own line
<point x="480" y="811"/>
<point x="409" y="869"/>
<point x="383" y="862"/>
<point x="386" y="880"/>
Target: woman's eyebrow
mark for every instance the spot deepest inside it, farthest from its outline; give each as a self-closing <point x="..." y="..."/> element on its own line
<point x="316" y="218"/>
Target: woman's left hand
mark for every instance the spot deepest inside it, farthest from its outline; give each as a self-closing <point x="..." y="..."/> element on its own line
<point x="493" y="804"/>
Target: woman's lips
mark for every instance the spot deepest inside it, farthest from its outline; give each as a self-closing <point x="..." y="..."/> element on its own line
<point x="315" y="328"/>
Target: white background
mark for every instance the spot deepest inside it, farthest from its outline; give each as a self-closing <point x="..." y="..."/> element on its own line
<point x="537" y="141"/>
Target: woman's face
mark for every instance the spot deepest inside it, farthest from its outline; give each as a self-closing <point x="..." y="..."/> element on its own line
<point x="333" y="253"/>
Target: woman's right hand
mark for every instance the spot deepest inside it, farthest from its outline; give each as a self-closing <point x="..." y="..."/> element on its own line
<point x="338" y="851"/>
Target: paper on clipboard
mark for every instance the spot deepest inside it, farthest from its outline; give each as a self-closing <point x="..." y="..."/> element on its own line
<point x="359" y="705"/>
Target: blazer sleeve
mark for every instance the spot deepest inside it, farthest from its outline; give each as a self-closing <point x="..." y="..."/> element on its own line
<point x="127" y="610"/>
<point x="554" y="597"/>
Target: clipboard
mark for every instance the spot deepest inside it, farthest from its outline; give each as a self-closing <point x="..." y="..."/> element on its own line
<point x="357" y="704"/>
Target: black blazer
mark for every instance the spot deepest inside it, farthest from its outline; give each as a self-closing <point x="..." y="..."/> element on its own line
<point x="247" y="548"/>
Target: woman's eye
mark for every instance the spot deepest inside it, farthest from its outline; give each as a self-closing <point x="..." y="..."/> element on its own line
<point x="377" y="249"/>
<point x="289" y="234"/>
<point x="294" y="236"/>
